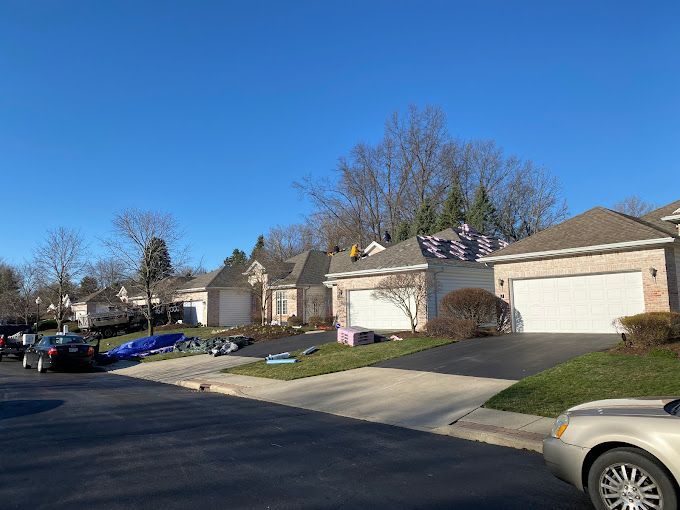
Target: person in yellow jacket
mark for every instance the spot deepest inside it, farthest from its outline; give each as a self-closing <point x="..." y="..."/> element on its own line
<point x="354" y="252"/>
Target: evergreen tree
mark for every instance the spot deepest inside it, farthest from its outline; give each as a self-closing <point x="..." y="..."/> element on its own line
<point x="238" y="258"/>
<point x="161" y="265"/>
<point x="403" y="231"/>
<point x="258" y="249"/>
<point x="481" y="215"/>
<point x="425" y="222"/>
<point x="453" y="211"/>
<point x="88" y="285"/>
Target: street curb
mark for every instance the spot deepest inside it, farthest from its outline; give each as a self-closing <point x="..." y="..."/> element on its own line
<point x="500" y="436"/>
<point x="224" y="389"/>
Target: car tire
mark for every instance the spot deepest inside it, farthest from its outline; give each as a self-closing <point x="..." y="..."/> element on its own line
<point x="24" y="362"/>
<point x="108" y="332"/>
<point x="0" y="357"/>
<point x="615" y="464"/>
<point x="41" y="367"/>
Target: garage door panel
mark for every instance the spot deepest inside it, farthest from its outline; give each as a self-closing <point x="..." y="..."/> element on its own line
<point x="584" y="303"/>
<point x="367" y="311"/>
<point x="235" y="307"/>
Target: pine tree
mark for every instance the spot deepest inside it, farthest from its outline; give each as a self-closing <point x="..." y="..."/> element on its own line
<point x="237" y="258"/>
<point x="161" y="265"/>
<point x="403" y="231"/>
<point x="88" y="285"/>
<point x="453" y="211"/>
<point x="425" y="222"/>
<point x="258" y="248"/>
<point x="481" y="215"/>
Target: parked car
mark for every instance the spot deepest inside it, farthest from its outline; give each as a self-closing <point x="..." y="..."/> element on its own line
<point x="59" y="351"/>
<point x="623" y="453"/>
<point x="10" y="340"/>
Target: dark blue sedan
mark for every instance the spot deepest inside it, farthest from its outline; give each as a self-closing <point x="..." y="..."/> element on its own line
<point x="59" y="351"/>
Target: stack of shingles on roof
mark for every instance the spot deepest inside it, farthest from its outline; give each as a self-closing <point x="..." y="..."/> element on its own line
<point x="470" y="245"/>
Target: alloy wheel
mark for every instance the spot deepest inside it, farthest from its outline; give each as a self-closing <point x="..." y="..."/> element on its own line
<point x="625" y="486"/>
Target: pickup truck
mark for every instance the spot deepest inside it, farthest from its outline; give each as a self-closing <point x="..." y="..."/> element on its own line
<point x="11" y="342"/>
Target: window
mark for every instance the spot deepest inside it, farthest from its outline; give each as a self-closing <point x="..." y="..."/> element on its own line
<point x="281" y="303"/>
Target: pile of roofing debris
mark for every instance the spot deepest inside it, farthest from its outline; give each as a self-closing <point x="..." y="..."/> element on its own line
<point x="175" y="342"/>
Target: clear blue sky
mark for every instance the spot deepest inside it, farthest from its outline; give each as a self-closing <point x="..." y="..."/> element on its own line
<point x="218" y="106"/>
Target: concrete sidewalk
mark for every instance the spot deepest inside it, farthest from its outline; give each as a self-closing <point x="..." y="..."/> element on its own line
<point x="433" y="402"/>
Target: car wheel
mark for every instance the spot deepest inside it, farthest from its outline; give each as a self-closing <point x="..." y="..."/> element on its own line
<point x="0" y="357"/>
<point x="630" y="478"/>
<point x="41" y="365"/>
<point x="24" y="362"/>
<point x="108" y="333"/>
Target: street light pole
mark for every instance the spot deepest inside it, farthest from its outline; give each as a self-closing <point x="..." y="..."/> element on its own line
<point x="37" y="317"/>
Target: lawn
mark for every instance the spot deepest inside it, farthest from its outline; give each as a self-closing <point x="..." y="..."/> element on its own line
<point x="593" y="376"/>
<point x="334" y="357"/>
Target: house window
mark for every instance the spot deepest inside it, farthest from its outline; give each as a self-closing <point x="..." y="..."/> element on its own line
<point x="281" y="303"/>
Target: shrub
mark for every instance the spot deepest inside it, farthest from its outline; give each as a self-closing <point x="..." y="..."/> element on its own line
<point x="317" y="320"/>
<point x="47" y="324"/>
<point x="449" y="327"/>
<point x="294" y="321"/>
<point x="477" y="305"/>
<point x="651" y="328"/>
<point x="503" y="316"/>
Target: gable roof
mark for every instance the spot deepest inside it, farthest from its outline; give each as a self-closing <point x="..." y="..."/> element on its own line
<point x="306" y="268"/>
<point x="223" y="277"/>
<point x="454" y="245"/>
<point x="105" y="295"/>
<point x="654" y="217"/>
<point x="596" y="227"/>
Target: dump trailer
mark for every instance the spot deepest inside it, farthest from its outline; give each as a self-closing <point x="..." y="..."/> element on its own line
<point x="111" y="322"/>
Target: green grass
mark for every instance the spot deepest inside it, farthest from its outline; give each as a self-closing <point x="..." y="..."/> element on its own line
<point x="593" y="376"/>
<point x="167" y="355"/>
<point x="334" y="357"/>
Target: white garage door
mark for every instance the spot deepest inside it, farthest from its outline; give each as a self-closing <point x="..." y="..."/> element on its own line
<point x="576" y="304"/>
<point x="235" y="307"/>
<point x="192" y="312"/>
<point x="368" y="312"/>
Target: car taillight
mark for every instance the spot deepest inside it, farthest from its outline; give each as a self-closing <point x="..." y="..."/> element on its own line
<point x="90" y="351"/>
<point x="2" y="340"/>
<point x="52" y="351"/>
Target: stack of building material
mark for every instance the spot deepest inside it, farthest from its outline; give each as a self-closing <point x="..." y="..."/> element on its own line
<point x="354" y="336"/>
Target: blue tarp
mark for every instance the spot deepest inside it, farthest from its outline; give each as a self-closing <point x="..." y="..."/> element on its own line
<point x="137" y="347"/>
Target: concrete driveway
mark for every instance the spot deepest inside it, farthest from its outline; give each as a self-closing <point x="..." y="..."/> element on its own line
<point x="512" y="356"/>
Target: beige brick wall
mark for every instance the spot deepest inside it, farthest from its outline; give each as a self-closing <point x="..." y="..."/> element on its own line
<point x="292" y="298"/>
<point x="658" y="294"/>
<point x="363" y="283"/>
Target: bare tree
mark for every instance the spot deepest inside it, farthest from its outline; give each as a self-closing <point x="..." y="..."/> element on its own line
<point x="282" y="243"/>
<point x="27" y="289"/>
<point x="633" y="205"/>
<point x="59" y="260"/>
<point x="135" y="241"/>
<point x="9" y="285"/>
<point x="108" y="271"/>
<point x="407" y="291"/>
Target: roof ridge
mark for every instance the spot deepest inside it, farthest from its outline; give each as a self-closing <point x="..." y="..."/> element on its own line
<point x="656" y="210"/>
<point x="635" y="219"/>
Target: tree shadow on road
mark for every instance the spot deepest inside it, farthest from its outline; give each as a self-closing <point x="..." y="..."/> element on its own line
<point x="16" y="408"/>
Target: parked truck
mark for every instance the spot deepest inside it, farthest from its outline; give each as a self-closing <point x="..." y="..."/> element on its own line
<point x="12" y="339"/>
<point x="127" y="320"/>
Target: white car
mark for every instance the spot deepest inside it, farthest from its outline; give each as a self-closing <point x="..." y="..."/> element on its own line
<point x="624" y="453"/>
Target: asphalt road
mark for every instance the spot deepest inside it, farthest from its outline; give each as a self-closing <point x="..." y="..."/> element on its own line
<point x="513" y="356"/>
<point x="96" y="440"/>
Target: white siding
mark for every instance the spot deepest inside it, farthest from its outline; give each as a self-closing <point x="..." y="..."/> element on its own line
<point x="576" y="304"/>
<point x="445" y="280"/>
<point x="235" y="307"/>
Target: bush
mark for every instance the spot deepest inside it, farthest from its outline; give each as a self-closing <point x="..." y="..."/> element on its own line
<point x="449" y="327"/>
<point x="477" y="305"/>
<point x="47" y="324"/>
<point x="651" y="328"/>
<point x="294" y="321"/>
<point x="317" y="320"/>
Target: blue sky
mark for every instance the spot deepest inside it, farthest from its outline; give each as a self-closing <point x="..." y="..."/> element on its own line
<point x="219" y="106"/>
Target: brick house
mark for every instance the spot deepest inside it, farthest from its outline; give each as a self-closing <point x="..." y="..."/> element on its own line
<point x="581" y="275"/>
<point x="295" y="286"/>
<point x="445" y="261"/>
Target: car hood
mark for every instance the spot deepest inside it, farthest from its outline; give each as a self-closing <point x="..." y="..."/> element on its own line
<point x="643" y="406"/>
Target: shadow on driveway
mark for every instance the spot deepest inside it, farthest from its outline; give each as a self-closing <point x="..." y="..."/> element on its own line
<point x="288" y="344"/>
<point x="16" y="408"/>
<point x="512" y="356"/>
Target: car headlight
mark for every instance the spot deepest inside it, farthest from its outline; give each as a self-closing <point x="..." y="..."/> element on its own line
<point x="560" y="426"/>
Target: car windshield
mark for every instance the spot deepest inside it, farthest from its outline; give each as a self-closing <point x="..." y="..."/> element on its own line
<point x="64" y="340"/>
<point x="673" y="407"/>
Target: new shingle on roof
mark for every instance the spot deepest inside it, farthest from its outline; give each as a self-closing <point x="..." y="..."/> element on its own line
<point x="595" y="227"/>
<point x="453" y="245"/>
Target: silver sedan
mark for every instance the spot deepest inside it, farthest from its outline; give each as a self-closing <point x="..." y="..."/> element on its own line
<point x="624" y="453"/>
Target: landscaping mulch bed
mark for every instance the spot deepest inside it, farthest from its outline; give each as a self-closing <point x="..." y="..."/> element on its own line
<point x="258" y="332"/>
<point x="670" y="349"/>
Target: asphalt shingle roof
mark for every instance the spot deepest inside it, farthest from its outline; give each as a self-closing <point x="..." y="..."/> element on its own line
<point x="598" y="226"/>
<point x="458" y="244"/>
<point x="306" y="268"/>
<point x="223" y="277"/>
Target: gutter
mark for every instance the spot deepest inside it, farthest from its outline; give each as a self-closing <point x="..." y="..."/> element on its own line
<point x="580" y="250"/>
<point x="386" y="270"/>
